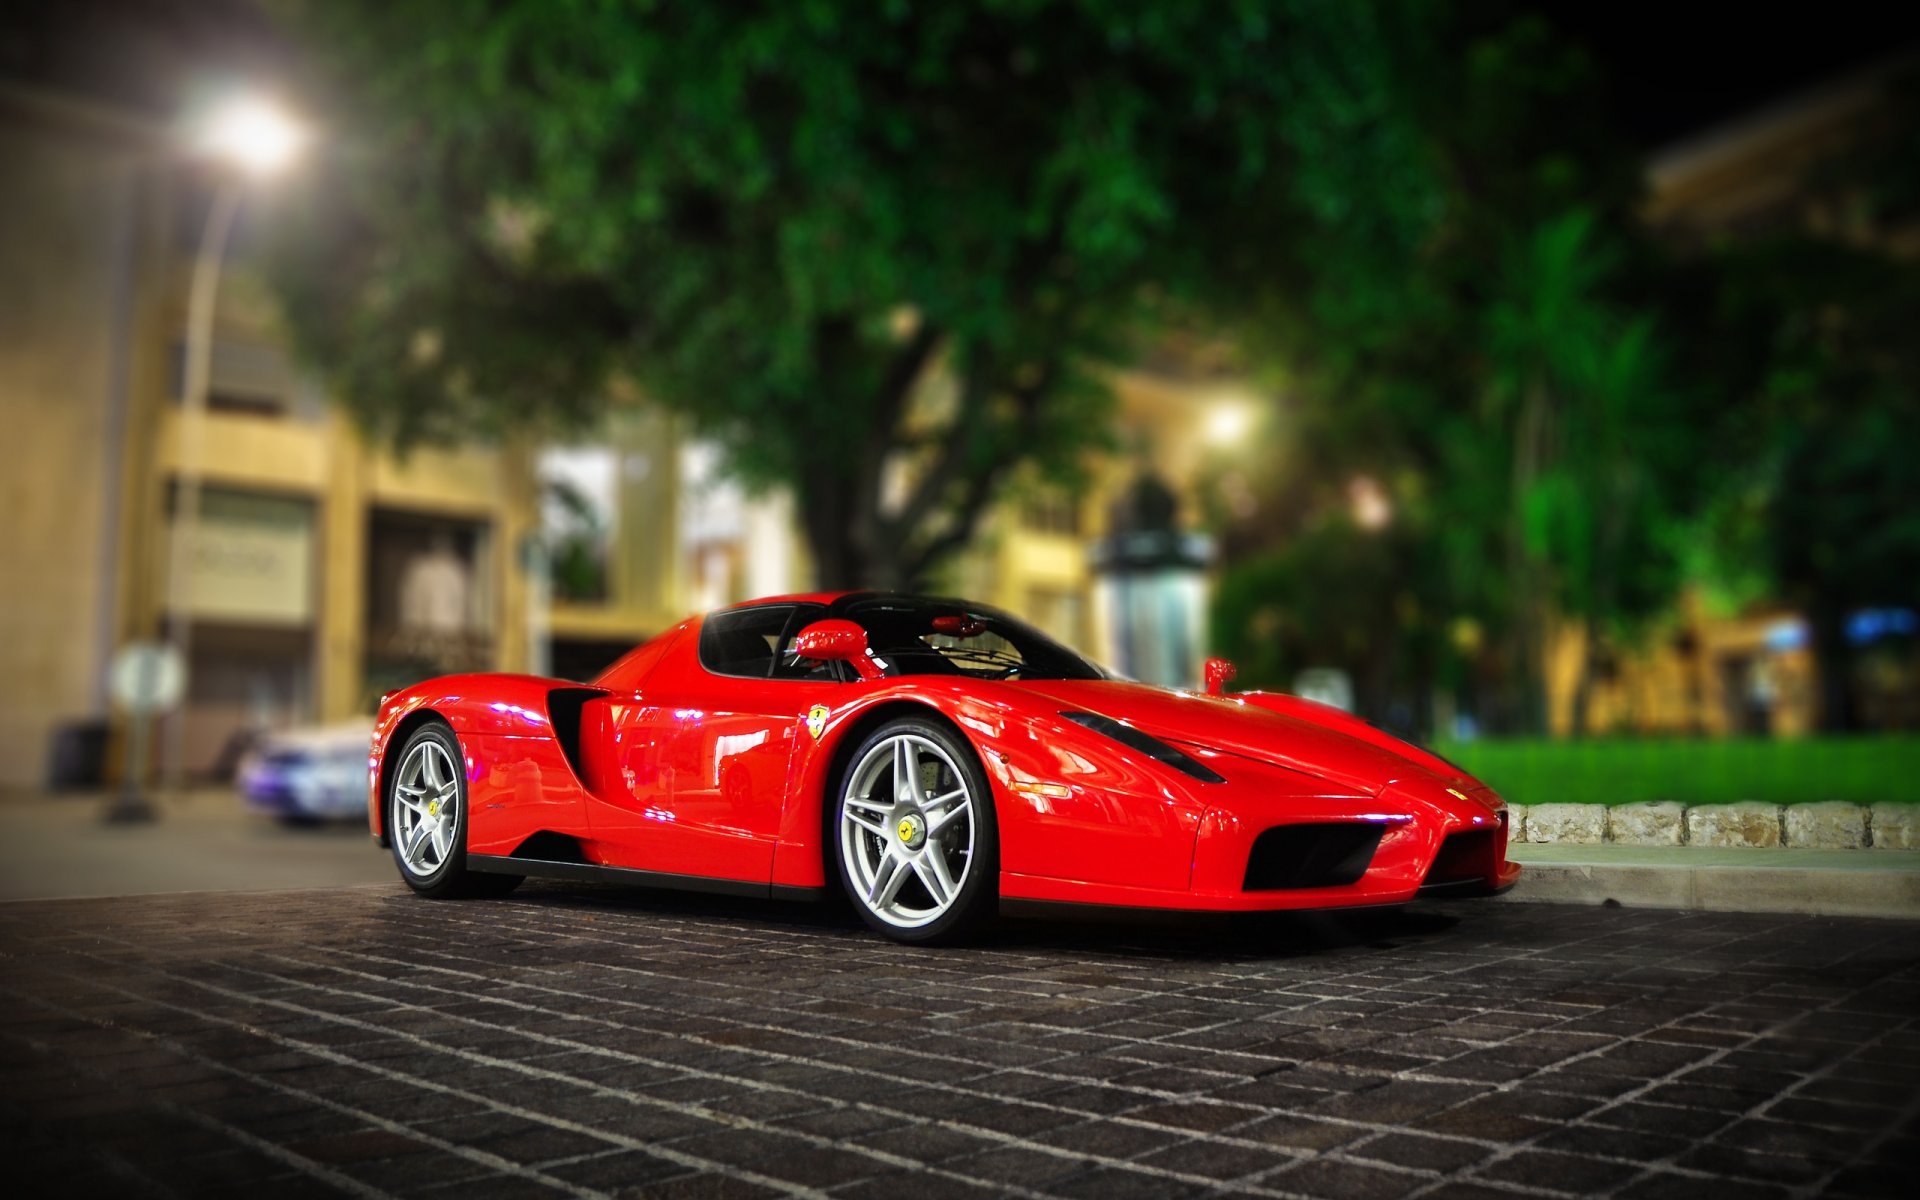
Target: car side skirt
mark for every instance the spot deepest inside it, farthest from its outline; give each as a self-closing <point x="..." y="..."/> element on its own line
<point x="501" y="864"/>
<point x="1016" y="908"/>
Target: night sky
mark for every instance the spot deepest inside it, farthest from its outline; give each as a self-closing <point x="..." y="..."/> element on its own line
<point x="1673" y="68"/>
<point x="1680" y="67"/>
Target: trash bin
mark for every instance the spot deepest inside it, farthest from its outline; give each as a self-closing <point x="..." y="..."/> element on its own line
<point x="79" y="758"/>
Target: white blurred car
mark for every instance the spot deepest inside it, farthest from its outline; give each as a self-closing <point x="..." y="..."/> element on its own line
<point x="310" y="774"/>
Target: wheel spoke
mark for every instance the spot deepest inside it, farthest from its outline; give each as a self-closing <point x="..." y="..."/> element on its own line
<point x="888" y="875"/>
<point x="417" y="840"/>
<point x="906" y="770"/>
<point x="872" y="825"/>
<point x="874" y="806"/>
<point x="442" y="835"/>
<point x="938" y="821"/>
<point x="934" y="879"/>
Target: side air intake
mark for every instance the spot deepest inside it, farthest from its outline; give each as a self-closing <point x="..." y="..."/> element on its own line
<point x="563" y="709"/>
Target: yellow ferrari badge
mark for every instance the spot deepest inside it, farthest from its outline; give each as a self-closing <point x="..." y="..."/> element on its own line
<point x="1457" y="793"/>
<point x="816" y="720"/>
<point x="906" y="829"/>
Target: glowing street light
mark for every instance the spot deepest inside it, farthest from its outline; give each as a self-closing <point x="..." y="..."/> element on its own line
<point x="1372" y="506"/>
<point x="253" y="138"/>
<point x="253" y="134"/>
<point x="1228" y="422"/>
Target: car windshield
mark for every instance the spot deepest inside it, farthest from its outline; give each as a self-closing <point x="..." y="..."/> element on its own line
<point x="916" y="636"/>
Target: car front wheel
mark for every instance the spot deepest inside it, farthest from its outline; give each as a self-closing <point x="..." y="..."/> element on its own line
<point x="914" y="833"/>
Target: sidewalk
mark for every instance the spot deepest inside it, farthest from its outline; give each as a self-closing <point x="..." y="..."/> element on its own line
<point x="58" y="847"/>
<point x="1861" y="883"/>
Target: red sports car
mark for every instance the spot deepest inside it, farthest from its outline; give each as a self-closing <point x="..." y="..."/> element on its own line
<point x="934" y="759"/>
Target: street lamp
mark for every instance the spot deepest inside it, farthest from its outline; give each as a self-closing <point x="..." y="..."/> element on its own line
<point x="254" y="135"/>
<point x="252" y="138"/>
<point x="1228" y="423"/>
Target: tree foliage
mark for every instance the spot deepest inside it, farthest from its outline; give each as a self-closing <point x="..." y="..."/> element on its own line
<point x="1514" y="391"/>
<point x="1572" y="412"/>
<point x="846" y="240"/>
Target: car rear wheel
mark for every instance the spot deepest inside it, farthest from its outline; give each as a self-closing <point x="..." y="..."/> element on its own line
<point x="915" y="835"/>
<point x="427" y="819"/>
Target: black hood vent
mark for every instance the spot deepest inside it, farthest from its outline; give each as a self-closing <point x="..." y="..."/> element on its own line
<point x="1150" y="746"/>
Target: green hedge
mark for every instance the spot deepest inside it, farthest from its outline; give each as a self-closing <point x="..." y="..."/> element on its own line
<point x="1865" y="770"/>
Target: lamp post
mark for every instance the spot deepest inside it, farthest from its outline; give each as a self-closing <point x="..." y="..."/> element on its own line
<point x="252" y="139"/>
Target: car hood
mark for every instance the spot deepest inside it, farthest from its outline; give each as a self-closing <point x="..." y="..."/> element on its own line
<point x="1235" y="727"/>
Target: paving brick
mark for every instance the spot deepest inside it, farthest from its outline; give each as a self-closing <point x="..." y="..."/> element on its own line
<point x="1560" y="1172"/>
<point x="688" y="1047"/>
<point x="1421" y="1153"/>
<point x="1346" y="1181"/>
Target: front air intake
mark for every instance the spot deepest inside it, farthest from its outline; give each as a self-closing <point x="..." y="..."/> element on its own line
<point x="1311" y="856"/>
<point x="1466" y="856"/>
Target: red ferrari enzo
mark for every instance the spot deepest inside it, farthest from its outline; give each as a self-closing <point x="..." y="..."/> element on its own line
<point x="935" y="759"/>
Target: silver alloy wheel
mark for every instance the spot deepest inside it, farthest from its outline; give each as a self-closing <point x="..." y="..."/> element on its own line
<point x="425" y="796"/>
<point x="906" y="830"/>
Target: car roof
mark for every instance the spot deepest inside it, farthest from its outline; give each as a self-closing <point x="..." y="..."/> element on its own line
<point x="795" y="598"/>
<point x="833" y="599"/>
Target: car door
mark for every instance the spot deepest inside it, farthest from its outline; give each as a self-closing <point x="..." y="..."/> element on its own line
<point x="702" y="752"/>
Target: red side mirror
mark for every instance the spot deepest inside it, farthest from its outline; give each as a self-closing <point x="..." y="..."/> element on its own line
<point x="1219" y="670"/>
<point x="838" y="641"/>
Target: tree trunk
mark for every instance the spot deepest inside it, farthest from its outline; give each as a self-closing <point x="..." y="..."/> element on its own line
<point x="824" y="498"/>
<point x="1528" y="636"/>
<point x="1582" y="719"/>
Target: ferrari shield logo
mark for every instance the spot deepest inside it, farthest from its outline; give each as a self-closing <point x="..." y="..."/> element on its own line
<point x="816" y="720"/>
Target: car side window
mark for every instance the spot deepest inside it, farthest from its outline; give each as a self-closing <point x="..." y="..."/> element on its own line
<point x="743" y="641"/>
<point x="789" y="665"/>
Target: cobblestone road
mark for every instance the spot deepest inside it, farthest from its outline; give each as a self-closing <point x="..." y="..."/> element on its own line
<point x="587" y="1042"/>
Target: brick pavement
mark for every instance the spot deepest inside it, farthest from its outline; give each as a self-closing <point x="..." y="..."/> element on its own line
<point x="590" y="1042"/>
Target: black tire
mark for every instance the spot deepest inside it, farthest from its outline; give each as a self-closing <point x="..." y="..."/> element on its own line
<point x="976" y="901"/>
<point x="448" y="877"/>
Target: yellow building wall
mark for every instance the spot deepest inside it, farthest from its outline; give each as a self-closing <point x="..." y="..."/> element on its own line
<point x="68" y="236"/>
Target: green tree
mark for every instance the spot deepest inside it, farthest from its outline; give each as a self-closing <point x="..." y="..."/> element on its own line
<point x="1822" y="429"/>
<point x="1805" y="326"/>
<point x="842" y="238"/>
<point x="1514" y="390"/>
<point x="1335" y="595"/>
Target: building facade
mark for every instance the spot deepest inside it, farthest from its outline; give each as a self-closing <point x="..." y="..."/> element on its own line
<point x="320" y="571"/>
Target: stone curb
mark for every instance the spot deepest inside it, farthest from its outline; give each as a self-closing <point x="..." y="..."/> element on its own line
<point x="1813" y="891"/>
<point x="1831" y="825"/>
<point x="1814" y="882"/>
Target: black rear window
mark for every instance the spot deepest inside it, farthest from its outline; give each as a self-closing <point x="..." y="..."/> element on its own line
<point x="914" y="635"/>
